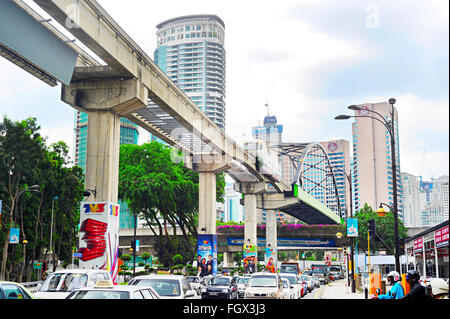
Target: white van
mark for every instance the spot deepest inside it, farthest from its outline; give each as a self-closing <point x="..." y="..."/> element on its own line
<point x="61" y="283"/>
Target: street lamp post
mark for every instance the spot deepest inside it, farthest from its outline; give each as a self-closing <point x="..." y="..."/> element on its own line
<point x="390" y="126"/>
<point x="349" y="180"/>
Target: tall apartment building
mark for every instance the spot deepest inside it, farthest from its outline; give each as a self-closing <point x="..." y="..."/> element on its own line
<point x="339" y="153"/>
<point x="412" y="197"/>
<point x="372" y="165"/>
<point x="129" y="134"/>
<point x="190" y="50"/>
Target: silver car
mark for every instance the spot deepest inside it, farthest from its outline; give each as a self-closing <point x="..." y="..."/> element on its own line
<point x="167" y="286"/>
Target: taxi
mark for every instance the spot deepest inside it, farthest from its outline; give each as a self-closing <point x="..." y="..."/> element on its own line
<point x="105" y="289"/>
<point x="14" y="290"/>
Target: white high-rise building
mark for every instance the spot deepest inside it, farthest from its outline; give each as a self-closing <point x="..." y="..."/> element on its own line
<point x="191" y="52"/>
<point x="425" y="204"/>
<point x="373" y="183"/>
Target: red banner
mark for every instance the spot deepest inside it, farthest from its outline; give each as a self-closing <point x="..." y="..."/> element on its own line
<point x="441" y="237"/>
<point x="418" y="244"/>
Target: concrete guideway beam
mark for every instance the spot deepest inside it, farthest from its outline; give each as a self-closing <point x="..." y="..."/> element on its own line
<point x="96" y="29"/>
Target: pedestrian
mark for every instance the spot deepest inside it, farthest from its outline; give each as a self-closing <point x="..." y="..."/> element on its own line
<point x="396" y="292"/>
<point x="439" y="288"/>
<point x="417" y="290"/>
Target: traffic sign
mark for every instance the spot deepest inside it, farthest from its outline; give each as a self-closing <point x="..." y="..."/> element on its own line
<point x="77" y="255"/>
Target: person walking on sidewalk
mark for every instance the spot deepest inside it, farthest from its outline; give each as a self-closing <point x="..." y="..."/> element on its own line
<point x="396" y="292"/>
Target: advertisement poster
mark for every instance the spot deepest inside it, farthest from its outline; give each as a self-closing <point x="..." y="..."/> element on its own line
<point x="99" y="236"/>
<point x="271" y="259"/>
<point x="441" y="237"/>
<point x="14" y="235"/>
<point x="352" y="227"/>
<point x="250" y="259"/>
<point x="207" y="255"/>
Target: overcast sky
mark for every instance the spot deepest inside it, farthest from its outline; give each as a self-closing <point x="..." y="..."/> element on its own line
<point x="308" y="59"/>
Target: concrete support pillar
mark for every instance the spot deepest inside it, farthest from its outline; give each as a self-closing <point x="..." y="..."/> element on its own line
<point x="207" y="203"/>
<point x="105" y="101"/>
<point x="102" y="155"/>
<point x="228" y="259"/>
<point x="250" y="219"/>
<point x="271" y="234"/>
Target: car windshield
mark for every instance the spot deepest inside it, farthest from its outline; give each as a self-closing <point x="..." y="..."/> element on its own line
<point x="64" y="282"/>
<point x="334" y="269"/>
<point x="99" y="294"/>
<point x="291" y="279"/>
<point x="164" y="287"/>
<point x="219" y="281"/>
<point x="289" y="269"/>
<point x="193" y="279"/>
<point x="262" y="281"/>
<point x="243" y="280"/>
<point x="305" y="278"/>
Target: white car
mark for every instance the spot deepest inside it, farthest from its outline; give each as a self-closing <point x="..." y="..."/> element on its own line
<point x="167" y="286"/>
<point x="262" y="285"/>
<point x="242" y="282"/>
<point x="194" y="281"/>
<point x="109" y="291"/>
<point x="294" y="281"/>
<point x="60" y="284"/>
<point x="288" y="290"/>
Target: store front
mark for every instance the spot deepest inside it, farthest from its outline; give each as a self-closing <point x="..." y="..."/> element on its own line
<point x="427" y="252"/>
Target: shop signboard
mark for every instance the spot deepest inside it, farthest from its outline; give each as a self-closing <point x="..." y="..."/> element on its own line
<point x="441" y="237"/>
<point x="418" y="244"/>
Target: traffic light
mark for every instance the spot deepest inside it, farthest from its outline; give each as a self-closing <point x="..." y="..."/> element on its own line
<point x="372" y="229"/>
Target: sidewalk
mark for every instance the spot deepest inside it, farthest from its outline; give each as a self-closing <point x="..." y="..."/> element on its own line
<point x="339" y="290"/>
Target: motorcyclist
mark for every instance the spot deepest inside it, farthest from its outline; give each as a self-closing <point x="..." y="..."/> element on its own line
<point x="417" y="290"/>
<point x="439" y="288"/>
<point x="396" y="292"/>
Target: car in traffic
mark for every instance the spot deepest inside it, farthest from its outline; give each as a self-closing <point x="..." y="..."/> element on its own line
<point x="107" y="290"/>
<point x="61" y="283"/>
<point x="309" y="282"/>
<point x="264" y="285"/>
<point x="316" y="281"/>
<point x="14" y="290"/>
<point x="167" y="286"/>
<point x="320" y="271"/>
<point x="204" y="281"/>
<point x="194" y="281"/>
<point x="241" y="282"/>
<point x="296" y="285"/>
<point x="220" y="287"/>
<point x="288" y="290"/>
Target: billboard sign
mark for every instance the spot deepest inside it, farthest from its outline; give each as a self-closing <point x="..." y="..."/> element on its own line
<point x="99" y="236"/>
<point x="207" y="254"/>
<point x="271" y="259"/>
<point x="250" y="258"/>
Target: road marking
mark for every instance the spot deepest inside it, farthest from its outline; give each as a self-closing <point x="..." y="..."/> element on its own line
<point x="319" y="291"/>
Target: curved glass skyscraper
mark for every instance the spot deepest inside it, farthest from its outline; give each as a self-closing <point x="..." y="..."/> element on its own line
<point x="191" y="52"/>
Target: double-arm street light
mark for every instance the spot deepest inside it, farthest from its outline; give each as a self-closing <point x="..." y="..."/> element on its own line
<point x="349" y="180"/>
<point x="390" y="126"/>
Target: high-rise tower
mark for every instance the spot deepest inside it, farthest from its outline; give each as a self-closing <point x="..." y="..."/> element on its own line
<point x="191" y="52"/>
<point x="373" y="183"/>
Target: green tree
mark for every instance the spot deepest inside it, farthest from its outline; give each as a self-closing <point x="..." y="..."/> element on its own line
<point x="384" y="228"/>
<point x="163" y="193"/>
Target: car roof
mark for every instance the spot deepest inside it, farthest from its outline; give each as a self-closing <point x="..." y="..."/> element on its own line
<point x="265" y="274"/>
<point x="159" y="277"/>
<point x="116" y="288"/>
<point x="78" y="271"/>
